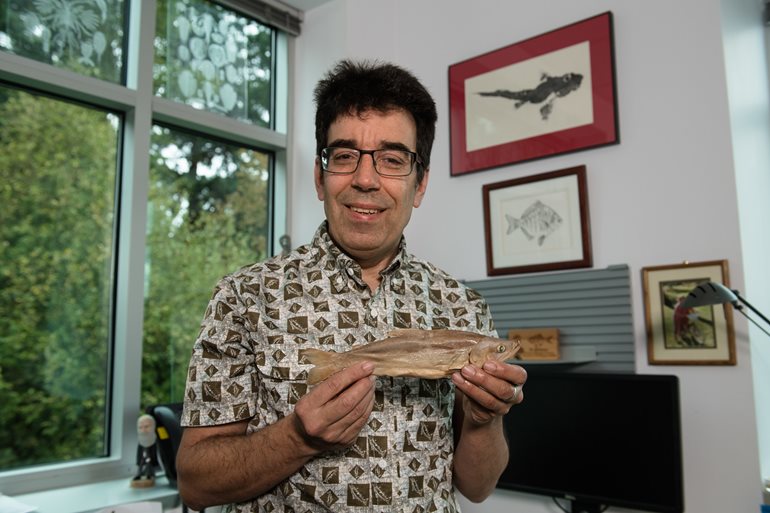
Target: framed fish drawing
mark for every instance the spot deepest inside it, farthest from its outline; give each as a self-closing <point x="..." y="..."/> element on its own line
<point x="538" y="223"/>
<point x="679" y="334"/>
<point x="544" y="96"/>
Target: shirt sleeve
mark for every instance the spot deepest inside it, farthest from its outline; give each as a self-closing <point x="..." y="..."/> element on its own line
<point x="221" y="374"/>
<point x="479" y="308"/>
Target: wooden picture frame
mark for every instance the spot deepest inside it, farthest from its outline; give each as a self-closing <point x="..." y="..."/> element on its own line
<point x="538" y="223"/>
<point x="547" y="95"/>
<point x="702" y="335"/>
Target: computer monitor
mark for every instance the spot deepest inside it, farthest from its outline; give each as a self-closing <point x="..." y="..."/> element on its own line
<point x="598" y="439"/>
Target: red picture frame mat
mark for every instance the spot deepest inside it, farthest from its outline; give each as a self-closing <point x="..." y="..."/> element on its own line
<point x="598" y="31"/>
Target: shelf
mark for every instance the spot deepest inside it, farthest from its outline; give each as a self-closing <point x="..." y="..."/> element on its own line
<point x="95" y="496"/>
<point x="570" y="355"/>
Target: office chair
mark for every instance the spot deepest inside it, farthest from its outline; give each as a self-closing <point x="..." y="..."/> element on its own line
<point x="168" y="427"/>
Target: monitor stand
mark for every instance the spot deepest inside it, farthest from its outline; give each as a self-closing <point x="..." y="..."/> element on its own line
<point x="578" y="506"/>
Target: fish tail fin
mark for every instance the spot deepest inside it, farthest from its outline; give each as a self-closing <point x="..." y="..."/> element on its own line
<point x="318" y="374"/>
<point x="324" y="366"/>
<point x="513" y="224"/>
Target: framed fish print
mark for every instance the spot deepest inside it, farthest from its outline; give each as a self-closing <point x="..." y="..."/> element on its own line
<point x="677" y="335"/>
<point x="547" y="95"/>
<point x="538" y="223"/>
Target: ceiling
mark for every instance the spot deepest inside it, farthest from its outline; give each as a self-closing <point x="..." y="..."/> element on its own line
<point x="304" y="5"/>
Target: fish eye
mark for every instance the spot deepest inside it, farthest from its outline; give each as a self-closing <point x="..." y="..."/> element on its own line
<point x="501" y="348"/>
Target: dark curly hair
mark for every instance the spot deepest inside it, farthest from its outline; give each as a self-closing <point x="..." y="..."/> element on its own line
<point x="354" y="87"/>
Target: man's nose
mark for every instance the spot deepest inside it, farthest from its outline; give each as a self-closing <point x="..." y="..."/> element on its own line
<point x="366" y="177"/>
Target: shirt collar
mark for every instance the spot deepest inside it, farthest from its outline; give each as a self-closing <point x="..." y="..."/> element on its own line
<point x="331" y="256"/>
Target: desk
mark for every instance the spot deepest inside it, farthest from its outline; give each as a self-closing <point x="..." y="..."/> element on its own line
<point x="95" y="496"/>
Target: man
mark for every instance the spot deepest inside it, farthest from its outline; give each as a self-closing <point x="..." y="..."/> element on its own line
<point x="258" y="436"/>
<point x="146" y="457"/>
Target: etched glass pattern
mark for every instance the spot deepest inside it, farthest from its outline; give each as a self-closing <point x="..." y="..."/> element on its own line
<point x="84" y="36"/>
<point x="213" y="59"/>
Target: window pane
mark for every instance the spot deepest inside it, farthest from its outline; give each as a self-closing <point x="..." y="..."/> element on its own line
<point x="57" y="206"/>
<point x="85" y="36"/>
<point x="213" y="59"/>
<point x="208" y="215"/>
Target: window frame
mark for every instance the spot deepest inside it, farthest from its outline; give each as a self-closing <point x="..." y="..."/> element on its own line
<point x="140" y="109"/>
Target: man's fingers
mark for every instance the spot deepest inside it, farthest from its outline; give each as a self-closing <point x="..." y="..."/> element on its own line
<point x="339" y="381"/>
<point x="491" y="390"/>
<point x="334" y="411"/>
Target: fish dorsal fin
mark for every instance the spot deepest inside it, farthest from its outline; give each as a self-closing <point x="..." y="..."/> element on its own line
<point x="426" y="334"/>
<point x="408" y="332"/>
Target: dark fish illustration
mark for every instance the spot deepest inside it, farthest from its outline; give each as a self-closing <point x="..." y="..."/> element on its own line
<point x="537" y="221"/>
<point x="546" y="91"/>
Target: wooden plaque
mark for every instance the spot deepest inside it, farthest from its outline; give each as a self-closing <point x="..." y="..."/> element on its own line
<point x="537" y="343"/>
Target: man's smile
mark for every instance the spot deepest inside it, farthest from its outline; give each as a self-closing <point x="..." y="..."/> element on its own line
<point x="365" y="210"/>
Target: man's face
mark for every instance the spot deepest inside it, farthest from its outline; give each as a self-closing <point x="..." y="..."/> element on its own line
<point x="367" y="213"/>
<point x="145" y="424"/>
<point x="145" y="428"/>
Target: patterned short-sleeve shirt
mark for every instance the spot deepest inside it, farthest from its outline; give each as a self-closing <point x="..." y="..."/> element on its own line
<point x="247" y="363"/>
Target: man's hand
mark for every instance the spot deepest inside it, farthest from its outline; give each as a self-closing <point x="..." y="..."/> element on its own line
<point x="490" y="391"/>
<point x="332" y="414"/>
<point x="219" y="464"/>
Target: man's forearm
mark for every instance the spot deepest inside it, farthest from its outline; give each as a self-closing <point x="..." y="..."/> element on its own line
<point x="236" y="467"/>
<point x="480" y="457"/>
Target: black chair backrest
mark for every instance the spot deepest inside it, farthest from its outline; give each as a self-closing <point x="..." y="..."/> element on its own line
<point x="169" y="430"/>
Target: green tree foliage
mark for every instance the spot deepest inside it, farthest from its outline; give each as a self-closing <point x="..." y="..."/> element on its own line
<point x="208" y="215"/>
<point x="57" y="187"/>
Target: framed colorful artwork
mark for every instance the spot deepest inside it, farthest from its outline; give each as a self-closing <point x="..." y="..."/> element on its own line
<point x="701" y="335"/>
<point x="547" y="95"/>
<point x="537" y="223"/>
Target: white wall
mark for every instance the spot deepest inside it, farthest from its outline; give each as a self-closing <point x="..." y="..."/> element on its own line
<point x="665" y="194"/>
<point x="745" y="46"/>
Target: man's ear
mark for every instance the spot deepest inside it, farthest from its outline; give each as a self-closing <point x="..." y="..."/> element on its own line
<point x="319" y="179"/>
<point x="421" y="188"/>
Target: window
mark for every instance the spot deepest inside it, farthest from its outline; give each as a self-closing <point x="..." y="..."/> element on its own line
<point x="128" y="198"/>
<point x="214" y="59"/>
<point x="82" y="36"/>
<point x="208" y="215"/>
<point x="55" y="277"/>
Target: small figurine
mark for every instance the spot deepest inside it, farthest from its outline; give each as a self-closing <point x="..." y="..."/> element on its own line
<point x="285" y="242"/>
<point x="146" y="457"/>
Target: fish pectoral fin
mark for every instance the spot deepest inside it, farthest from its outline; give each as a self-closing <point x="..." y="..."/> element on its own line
<point x="546" y="110"/>
<point x="323" y="362"/>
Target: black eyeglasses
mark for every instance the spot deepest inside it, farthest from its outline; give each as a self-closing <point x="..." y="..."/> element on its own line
<point x="344" y="161"/>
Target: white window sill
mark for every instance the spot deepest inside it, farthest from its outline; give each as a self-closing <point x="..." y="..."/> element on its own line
<point x="96" y="496"/>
